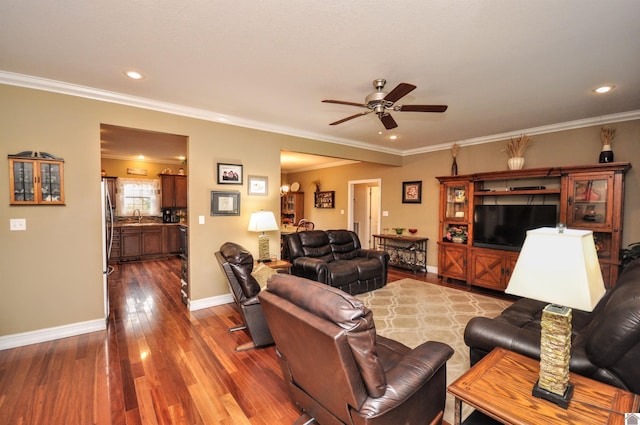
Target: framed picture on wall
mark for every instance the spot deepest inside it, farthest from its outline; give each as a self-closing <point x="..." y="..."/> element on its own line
<point x="258" y="185"/>
<point x="229" y="173"/>
<point x="412" y="192"/>
<point x="225" y="203"/>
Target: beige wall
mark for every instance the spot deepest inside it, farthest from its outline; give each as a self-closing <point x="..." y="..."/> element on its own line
<point x="52" y="273"/>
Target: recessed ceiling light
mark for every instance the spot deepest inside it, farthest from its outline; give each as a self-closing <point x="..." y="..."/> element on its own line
<point x="134" y="75"/>
<point x="393" y="137"/>
<point x="140" y="156"/>
<point x="604" y="89"/>
<point x="182" y="158"/>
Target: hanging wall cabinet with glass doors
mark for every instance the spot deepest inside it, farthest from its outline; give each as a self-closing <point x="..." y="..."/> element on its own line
<point x="36" y="178"/>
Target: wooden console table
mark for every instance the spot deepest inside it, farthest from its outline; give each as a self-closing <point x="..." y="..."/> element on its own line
<point x="500" y="386"/>
<point x="407" y="252"/>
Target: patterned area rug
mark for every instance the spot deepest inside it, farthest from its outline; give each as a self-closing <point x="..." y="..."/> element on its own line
<point x="412" y="312"/>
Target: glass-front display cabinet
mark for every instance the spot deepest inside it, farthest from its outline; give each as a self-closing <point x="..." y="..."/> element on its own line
<point x="35" y="180"/>
<point x="454" y="216"/>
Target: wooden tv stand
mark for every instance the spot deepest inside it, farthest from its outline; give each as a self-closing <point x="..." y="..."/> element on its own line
<point x="588" y="197"/>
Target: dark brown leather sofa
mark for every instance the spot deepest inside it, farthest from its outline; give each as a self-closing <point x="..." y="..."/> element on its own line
<point x="336" y="258"/>
<point x="338" y="371"/>
<point x="605" y="342"/>
<point x="237" y="264"/>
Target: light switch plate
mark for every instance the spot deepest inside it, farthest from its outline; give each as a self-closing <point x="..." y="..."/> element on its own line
<point x="17" y="224"/>
<point x="200" y="219"/>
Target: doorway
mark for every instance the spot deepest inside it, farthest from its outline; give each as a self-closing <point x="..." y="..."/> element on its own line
<point x="136" y="165"/>
<point x="365" y="209"/>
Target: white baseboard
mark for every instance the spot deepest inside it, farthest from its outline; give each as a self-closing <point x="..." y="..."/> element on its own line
<point x="48" y="334"/>
<point x="210" y="302"/>
<point x="431" y="269"/>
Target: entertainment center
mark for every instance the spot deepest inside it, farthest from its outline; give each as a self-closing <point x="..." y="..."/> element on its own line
<point x="484" y="217"/>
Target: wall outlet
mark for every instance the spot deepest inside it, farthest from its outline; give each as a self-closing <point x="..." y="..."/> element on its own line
<point x="16" y="224"/>
<point x="385" y="213"/>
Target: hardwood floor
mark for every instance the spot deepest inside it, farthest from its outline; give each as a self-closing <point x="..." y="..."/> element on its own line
<point x="155" y="364"/>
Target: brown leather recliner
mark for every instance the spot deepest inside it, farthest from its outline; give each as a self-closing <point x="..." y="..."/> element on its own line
<point x="605" y="343"/>
<point x="237" y="263"/>
<point x="336" y="258"/>
<point x="338" y="371"/>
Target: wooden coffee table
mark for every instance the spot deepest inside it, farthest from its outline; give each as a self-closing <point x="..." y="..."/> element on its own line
<point x="500" y="386"/>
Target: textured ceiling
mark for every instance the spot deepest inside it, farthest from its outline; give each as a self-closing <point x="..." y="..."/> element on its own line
<point x="502" y="66"/>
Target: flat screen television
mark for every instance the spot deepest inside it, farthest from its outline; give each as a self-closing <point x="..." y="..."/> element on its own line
<point x="505" y="226"/>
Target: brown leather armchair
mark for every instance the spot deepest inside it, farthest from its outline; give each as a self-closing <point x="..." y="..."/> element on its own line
<point x="237" y="263"/>
<point x="338" y="371"/>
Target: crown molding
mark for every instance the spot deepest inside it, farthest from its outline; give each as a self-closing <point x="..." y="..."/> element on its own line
<point x="45" y="84"/>
<point x="552" y="128"/>
<point x="61" y="87"/>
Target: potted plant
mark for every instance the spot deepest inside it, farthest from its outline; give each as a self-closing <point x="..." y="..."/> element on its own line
<point x="515" y="149"/>
<point x="606" y="136"/>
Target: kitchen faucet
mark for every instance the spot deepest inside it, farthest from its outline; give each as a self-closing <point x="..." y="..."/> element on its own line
<point x="139" y="215"/>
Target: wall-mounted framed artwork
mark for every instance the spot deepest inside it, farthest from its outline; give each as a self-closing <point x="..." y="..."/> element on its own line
<point x="258" y="185"/>
<point x="225" y="203"/>
<point x="324" y="199"/>
<point x="412" y="192"/>
<point x="229" y="173"/>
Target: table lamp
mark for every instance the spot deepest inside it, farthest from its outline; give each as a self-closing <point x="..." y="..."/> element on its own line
<point x="559" y="266"/>
<point x="263" y="221"/>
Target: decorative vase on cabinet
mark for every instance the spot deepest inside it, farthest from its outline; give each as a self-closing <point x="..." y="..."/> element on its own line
<point x="606" y="155"/>
<point x="515" y="163"/>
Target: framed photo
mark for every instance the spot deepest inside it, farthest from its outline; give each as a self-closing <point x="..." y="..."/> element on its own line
<point x="412" y="192"/>
<point x="258" y="185"/>
<point x="229" y="173"/>
<point x="225" y="203"/>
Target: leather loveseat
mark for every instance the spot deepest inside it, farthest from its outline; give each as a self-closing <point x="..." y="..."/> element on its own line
<point x="336" y="258"/>
<point x="605" y="343"/>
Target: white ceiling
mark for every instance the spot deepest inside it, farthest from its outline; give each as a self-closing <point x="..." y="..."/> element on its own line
<point x="502" y="66"/>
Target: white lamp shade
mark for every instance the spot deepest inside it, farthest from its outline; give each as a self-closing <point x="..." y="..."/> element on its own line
<point x="262" y="221"/>
<point x="559" y="268"/>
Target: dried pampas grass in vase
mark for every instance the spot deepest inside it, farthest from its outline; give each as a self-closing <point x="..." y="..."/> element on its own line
<point x="515" y="149"/>
<point x="454" y="155"/>
<point x="606" y="136"/>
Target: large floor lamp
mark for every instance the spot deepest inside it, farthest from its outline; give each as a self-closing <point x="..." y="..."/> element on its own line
<point x="559" y="266"/>
<point x="263" y="221"/>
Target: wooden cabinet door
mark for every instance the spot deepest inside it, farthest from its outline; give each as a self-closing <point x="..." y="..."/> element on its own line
<point x="36" y="182"/>
<point x="487" y="269"/>
<point x="452" y="261"/>
<point x="130" y="242"/>
<point x="168" y="192"/>
<point x="173" y="240"/>
<point x="180" y="192"/>
<point x="151" y="240"/>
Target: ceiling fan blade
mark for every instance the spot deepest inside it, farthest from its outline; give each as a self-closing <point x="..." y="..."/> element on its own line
<point x="388" y="121"/>
<point x="350" y="118"/>
<point x="421" y="108"/>
<point x="340" y="102"/>
<point x="401" y="90"/>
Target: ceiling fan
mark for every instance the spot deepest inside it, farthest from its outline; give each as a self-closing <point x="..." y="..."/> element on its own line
<point x="381" y="102"/>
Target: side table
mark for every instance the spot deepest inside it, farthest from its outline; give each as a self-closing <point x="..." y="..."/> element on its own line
<point x="282" y="266"/>
<point x="500" y="386"/>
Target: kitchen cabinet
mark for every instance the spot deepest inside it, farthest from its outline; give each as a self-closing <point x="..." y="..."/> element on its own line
<point x="152" y="240"/>
<point x="130" y="242"/>
<point x="35" y="181"/>
<point x="173" y="240"/>
<point x="174" y="191"/>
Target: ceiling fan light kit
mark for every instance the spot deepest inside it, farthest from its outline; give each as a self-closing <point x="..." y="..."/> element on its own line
<point x="381" y="103"/>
